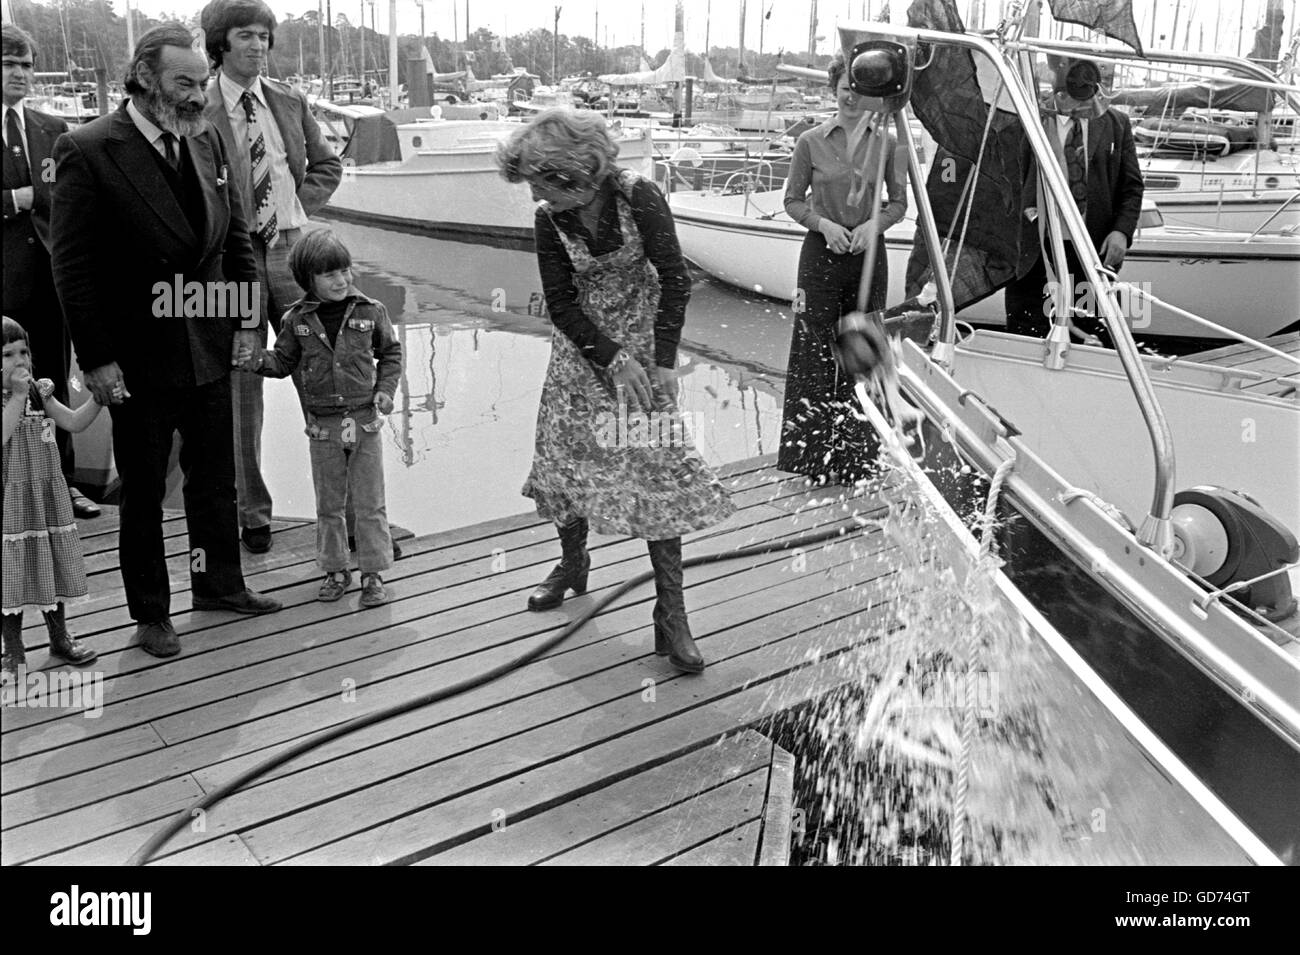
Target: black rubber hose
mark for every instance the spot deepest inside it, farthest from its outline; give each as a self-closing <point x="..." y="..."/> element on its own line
<point x="208" y="800"/>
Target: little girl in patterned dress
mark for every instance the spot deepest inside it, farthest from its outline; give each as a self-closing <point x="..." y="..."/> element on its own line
<point x="43" y="564"/>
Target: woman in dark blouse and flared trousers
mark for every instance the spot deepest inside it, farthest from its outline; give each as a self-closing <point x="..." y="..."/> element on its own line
<point x="612" y="452"/>
<point x="821" y="436"/>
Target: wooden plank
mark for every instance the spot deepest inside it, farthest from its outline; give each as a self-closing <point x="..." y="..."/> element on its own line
<point x="25" y="842"/>
<point x="212" y="664"/>
<point x="778" y="814"/>
<point x="623" y="644"/>
<point x="736" y="711"/>
<point x="710" y="610"/>
<point x="527" y="787"/>
<point x="730" y="848"/>
<point x="291" y="793"/>
<point x="587" y="817"/>
<point x="303" y="556"/>
<point x="677" y="828"/>
<point x="228" y="851"/>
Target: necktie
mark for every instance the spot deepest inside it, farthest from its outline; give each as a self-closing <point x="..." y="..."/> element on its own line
<point x="1076" y="164"/>
<point x="169" y="150"/>
<point x="266" y="227"/>
<point x="20" y="174"/>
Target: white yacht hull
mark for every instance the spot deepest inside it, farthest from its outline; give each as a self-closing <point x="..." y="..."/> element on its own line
<point x="447" y="182"/>
<point x="1252" y="287"/>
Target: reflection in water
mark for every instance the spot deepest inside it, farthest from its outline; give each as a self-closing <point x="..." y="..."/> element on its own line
<point x="475" y="341"/>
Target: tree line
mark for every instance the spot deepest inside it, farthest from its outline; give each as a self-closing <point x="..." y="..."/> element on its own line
<point x="86" y="34"/>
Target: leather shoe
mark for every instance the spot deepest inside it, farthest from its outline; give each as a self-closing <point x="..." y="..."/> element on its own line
<point x="243" y="602"/>
<point x="159" y="638"/>
<point x="257" y="539"/>
<point x="82" y="506"/>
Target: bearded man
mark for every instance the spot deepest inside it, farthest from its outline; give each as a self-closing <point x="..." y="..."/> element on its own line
<point x="153" y="265"/>
<point x="1095" y="148"/>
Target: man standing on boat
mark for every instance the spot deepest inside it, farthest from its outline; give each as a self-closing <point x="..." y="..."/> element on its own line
<point x="143" y="202"/>
<point x="287" y="173"/>
<point x="29" y="296"/>
<point x="1095" y="147"/>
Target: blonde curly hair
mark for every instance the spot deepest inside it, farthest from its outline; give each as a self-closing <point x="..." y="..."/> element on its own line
<point x="571" y="147"/>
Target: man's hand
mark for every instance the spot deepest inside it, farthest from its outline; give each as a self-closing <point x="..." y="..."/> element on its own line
<point x="107" y="385"/>
<point x="23" y="198"/>
<point x="1113" y="249"/>
<point x="837" y="237"/>
<point x="860" y="236"/>
<point x="383" y="402"/>
<point x="248" y="342"/>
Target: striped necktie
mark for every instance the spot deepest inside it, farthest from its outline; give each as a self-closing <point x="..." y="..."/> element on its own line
<point x="266" y="227"/>
<point x="1076" y="164"/>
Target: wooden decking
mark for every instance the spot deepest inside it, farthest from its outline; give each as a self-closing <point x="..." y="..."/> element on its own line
<point x="1276" y="376"/>
<point x="597" y="752"/>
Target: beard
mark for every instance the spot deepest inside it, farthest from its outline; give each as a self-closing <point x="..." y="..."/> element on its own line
<point x="175" y="117"/>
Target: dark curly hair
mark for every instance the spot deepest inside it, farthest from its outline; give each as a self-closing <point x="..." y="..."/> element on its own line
<point x="221" y="16"/>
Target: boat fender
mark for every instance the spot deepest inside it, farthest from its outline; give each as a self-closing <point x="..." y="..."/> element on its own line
<point x="1226" y="538"/>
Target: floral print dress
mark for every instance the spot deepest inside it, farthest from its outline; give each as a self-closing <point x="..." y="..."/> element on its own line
<point x="627" y="473"/>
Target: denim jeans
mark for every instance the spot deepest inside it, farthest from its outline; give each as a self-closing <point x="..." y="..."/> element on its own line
<point x="347" y="465"/>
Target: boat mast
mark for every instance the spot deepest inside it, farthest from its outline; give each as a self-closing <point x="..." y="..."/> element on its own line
<point x="742" y="37"/>
<point x="361" y="32"/>
<point x="320" y="41"/>
<point x="393" y="84"/>
<point x="130" y="29"/>
<point x="812" y="32"/>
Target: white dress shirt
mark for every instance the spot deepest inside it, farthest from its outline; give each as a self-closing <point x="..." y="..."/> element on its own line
<point x="151" y="132"/>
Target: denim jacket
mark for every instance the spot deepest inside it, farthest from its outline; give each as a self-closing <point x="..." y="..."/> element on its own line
<point x="343" y="378"/>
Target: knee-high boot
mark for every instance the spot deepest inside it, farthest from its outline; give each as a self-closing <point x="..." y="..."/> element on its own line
<point x="570" y="573"/>
<point x="14" y="655"/>
<point x="672" y="633"/>
<point x="61" y="643"/>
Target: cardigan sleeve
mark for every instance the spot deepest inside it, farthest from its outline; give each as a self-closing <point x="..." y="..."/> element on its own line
<point x="654" y="220"/>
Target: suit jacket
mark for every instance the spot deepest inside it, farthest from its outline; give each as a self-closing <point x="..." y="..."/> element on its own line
<point x="27" y="233"/>
<point x="1114" y="177"/>
<point x="119" y="234"/>
<point x="316" y="170"/>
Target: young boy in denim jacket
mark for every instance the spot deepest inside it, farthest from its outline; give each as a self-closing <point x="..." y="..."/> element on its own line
<point x="337" y="335"/>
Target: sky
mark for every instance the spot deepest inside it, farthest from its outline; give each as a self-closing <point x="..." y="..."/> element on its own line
<point x="620" y="20"/>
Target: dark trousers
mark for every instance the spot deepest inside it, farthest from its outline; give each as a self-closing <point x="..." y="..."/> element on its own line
<point x="820" y="432"/>
<point x="142" y="442"/>
<point x="1029" y="300"/>
<point x="41" y="317"/>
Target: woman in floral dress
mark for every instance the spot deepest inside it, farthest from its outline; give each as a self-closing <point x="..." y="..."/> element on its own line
<point x="612" y="452"/>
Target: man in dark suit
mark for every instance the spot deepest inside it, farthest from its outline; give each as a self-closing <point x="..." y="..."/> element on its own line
<point x="286" y="173"/>
<point x="1095" y="148"/>
<point x="29" y="296"/>
<point x="153" y="265"/>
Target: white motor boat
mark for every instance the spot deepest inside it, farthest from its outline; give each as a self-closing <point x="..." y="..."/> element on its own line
<point x="439" y="177"/>
<point x="1251" y="282"/>
<point x="1147" y="508"/>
